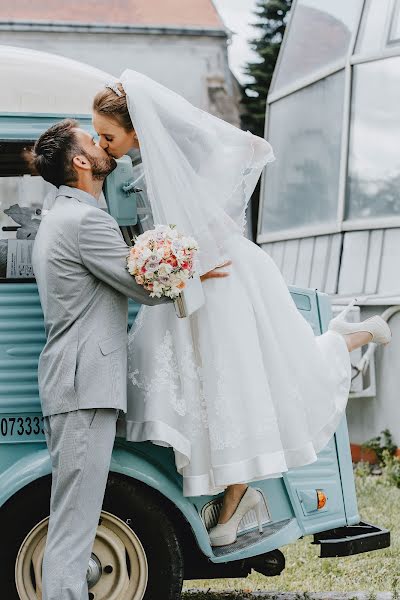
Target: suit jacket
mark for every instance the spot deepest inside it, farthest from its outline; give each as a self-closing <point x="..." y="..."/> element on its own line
<point x="79" y="260"/>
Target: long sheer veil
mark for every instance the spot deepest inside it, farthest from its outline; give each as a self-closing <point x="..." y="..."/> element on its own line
<point x="200" y="171"/>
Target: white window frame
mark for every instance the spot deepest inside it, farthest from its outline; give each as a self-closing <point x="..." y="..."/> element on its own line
<point x="346" y="65"/>
<point x="394" y="13"/>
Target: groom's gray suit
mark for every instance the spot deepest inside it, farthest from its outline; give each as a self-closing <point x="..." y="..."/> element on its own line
<point x="79" y="260"/>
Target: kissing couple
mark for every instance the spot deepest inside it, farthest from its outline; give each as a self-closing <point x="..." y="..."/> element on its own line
<point x="241" y="390"/>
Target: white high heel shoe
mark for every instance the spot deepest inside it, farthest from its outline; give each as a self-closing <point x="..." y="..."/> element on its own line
<point x="226" y="533"/>
<point x="375" y="325"/>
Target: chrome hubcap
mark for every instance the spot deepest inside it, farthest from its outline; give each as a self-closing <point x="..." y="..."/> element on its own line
<point x="94" y="571"/>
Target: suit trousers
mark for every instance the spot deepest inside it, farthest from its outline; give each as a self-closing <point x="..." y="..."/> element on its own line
<point x="80" y="443"/>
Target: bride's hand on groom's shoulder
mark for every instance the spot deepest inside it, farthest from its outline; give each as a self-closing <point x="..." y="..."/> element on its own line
<point x="217" y="273"/>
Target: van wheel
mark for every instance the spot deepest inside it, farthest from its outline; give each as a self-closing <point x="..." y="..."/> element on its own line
<point x="139" y="507"/>
<point x="136" y="554"/>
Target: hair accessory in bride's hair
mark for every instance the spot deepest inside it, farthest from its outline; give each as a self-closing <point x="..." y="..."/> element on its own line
<point x="113" y="86"/>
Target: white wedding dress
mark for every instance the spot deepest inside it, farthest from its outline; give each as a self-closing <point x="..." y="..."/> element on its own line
<point x="242" y="389"/>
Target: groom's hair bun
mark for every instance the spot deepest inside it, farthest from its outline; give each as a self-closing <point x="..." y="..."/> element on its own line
<point x="109" y="104"/>
<point x="53" y="153"/>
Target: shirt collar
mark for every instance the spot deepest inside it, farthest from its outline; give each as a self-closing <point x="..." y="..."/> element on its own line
<point x="71" y="192"/>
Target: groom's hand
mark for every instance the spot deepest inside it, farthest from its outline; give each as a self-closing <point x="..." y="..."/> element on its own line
<point x="216" y="273"/>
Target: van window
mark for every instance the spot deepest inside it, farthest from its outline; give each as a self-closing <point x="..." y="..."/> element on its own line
<point x="23" y="197"/>
<point x="144" y="212"/>
<point x="21" y="200"/>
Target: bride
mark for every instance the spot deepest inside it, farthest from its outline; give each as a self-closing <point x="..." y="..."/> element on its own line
<point x="242" y="390"/>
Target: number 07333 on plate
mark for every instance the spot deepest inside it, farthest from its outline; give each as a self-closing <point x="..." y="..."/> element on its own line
<point x="22" y="428"/>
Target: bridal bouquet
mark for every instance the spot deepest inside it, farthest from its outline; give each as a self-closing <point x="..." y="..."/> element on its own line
<point x="162" y="261"/>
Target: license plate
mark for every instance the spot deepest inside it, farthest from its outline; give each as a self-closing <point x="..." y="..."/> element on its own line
<point x="22" y="428"/>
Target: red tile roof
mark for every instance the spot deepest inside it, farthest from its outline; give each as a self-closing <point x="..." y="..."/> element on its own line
<point x="142" y="13"/>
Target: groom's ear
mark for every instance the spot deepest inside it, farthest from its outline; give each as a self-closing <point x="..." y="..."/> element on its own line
<point x="81" y="162"/>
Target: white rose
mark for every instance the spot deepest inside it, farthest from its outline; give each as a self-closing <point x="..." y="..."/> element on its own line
<point x="145" y="254"/>
<point x="152" y="266"/>
<point x="173" y="234"/>
<point x="165" y="269"/>
<point x="177" y="245"/>
<point x="132" y="266"/>
<point x="174" y="292"/>
<point x="144" y="237"/>
<point x="157" y="289"/>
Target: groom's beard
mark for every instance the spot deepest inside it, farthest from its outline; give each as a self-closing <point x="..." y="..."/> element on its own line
<point x="101" y="167"/>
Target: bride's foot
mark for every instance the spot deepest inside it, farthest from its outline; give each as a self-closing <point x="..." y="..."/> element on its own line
<point x="224" y="534"/>
<point x="375" y="329"/>
<point x="232" y="497"/>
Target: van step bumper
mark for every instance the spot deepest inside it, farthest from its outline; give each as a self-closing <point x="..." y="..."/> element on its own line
<point x="353" y="539"/>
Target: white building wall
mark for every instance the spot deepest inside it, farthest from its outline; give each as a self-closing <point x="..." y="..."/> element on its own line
<point x="195" y="66"/>
<point x="331" y="204"/>
<point x="364" y="265"/>
<point x="369" y="416"/>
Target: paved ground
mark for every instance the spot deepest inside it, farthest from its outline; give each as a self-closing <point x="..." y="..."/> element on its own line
<point x="201" y="595"/>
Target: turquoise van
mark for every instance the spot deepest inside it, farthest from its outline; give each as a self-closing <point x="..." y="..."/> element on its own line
<point x="150" y="537"/>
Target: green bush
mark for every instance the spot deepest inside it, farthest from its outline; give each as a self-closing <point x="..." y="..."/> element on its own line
<point x="381" y="445"/>
<point x="391" y="469"/>
<point x="362" y="469"/>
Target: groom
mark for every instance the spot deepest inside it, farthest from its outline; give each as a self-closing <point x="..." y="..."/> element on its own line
<point x="79" y="261"/>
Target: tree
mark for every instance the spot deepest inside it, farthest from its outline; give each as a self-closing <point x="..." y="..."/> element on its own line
<point x="272" y="16"/>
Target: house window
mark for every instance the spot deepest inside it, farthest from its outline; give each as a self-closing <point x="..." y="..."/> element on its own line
<point x="319" y="35"/>
<point x="394" y="35"/>
<point x="373" y="30"/>
<point x="374" y="157"/>
<point x="301" y="186"/>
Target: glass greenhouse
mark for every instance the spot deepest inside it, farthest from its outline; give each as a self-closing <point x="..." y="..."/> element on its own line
<point x="330" y="204"/>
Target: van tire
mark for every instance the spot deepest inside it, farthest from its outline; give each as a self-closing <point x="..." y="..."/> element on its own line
<point x="136" y="504"/>
<point x="143" y="509"/>
<point x="18" y="516"/>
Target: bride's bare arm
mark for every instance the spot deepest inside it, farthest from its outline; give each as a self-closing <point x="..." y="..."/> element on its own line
<point x="216" y="273"/>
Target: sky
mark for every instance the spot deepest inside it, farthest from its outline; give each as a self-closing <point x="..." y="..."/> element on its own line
<point x="237" y="15"/>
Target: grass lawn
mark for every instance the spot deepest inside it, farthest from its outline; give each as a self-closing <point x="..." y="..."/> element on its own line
<point x="379" y="504"/>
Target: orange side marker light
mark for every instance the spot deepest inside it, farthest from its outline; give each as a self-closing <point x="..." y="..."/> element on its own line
<point x="321" y="497"/>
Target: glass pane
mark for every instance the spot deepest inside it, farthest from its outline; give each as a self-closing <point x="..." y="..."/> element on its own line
<point x="319" y="36"/>
<point x="21" y="199"/>
<point x="374" y="156"/>
<point x="373" y="28"/>
<point x="305" y="131"/>
<point x="394" y="36"/>
<point x="145" y="215"/>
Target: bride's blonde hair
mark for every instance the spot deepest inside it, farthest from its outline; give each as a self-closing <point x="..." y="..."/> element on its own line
<point x="109" y="104"/>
